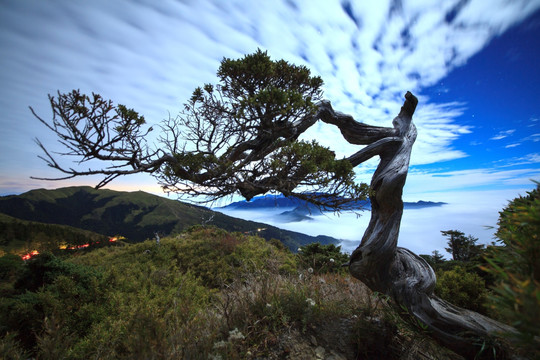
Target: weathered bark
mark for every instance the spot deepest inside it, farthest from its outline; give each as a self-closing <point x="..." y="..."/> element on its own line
<point x="397" y="272"/>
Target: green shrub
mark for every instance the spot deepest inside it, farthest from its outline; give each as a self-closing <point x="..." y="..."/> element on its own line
<point x="462" y="288"/>
<point x="10" y="266"/>
<point x="164" y="318"/>
<point x="516" y="267"/>
<point x="322" y="258"/>
<point x="11" y="349"/>
<point x="217" y="256"/>
<point x="52" y="298"/>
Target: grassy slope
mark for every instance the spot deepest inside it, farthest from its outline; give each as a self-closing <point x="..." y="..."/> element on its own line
<point x="204" y="294"/>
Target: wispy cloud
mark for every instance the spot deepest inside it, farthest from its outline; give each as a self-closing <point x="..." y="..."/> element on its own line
<point x="524" y="160"/>
<point x="530" y="138"/>
<point x="533" y="121"/>
<point x="533" y="138"/>
<point x="503" y="134"/>
<point x="425" y="182"/>
<point x="150" y="55"/>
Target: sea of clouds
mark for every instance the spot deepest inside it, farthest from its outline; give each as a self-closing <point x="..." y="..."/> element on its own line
<point x="474" y="213"/>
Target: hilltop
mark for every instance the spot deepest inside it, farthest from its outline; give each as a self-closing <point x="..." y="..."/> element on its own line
<point x="134" y="215"/>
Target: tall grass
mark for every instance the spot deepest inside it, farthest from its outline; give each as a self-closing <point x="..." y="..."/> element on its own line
<point x="206" y="294"/>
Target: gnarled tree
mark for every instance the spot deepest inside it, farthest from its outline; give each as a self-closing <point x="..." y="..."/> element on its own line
<point x="241" y="136"/>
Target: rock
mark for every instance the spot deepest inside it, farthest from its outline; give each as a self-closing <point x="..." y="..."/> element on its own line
<point x="319" y="352"/>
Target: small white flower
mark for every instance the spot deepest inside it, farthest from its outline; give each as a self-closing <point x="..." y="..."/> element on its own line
<point x="310" y="270"/>
<point x="268" y="305"/>
<point x="332" y="260"/>
<point x="220" y="344"/>
<point x="310" y="301"/>
<point x="235" y="335"/>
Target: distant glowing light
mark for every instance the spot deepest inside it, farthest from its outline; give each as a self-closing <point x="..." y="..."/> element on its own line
<point x="30" y="255"/>
<point x="65" y="247"/>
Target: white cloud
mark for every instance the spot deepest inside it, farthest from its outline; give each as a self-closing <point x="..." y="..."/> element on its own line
<point x="424" y="183"/>
<point x="470" y="208"/>
<point x="524" y="160"/>
<point x="533" y="137"/>
<point x="150" y="55"/>
<point x="503" y="134"/>
<point x="473" y="212"/>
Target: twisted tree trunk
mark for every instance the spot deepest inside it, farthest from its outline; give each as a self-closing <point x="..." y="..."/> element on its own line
<point x="398" y="272"/>
<point x="92" y="129"/>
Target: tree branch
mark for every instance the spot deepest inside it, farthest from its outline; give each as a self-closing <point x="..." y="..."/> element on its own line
<point x="354" y="132"/>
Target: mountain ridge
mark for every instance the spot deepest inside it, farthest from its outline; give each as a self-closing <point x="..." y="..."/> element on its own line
<point x="297" y="210"/>
<point x="281" y="201"/>
<point x="135" y="215"/>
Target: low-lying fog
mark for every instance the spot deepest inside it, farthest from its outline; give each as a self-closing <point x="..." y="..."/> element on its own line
<point x="472" y="213"/>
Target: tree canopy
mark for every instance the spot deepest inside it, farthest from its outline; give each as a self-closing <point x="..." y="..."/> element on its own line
<point x="461" y="247"/>
<point x="238" y="136"/>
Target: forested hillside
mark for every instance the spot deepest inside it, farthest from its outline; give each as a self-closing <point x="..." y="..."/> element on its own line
<point x="21" y="236"/>
<point x="134" y="215"/>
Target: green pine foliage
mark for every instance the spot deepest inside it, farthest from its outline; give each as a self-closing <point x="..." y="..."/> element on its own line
<point x="515" y="265"/>
<point x="261" y="106"/>
<point x="463" y="248"/>
<point x="285" y="90"/>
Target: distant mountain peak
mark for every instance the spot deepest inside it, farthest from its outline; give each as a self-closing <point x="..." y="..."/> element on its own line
<point x="280" y="201"/>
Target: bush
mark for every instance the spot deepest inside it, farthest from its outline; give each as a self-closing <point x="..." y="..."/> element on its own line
<point x="516" y="267"/>
<point x="322" y="258"/>
<point x="217" y="256"/>
<point x="10" y="266"/>
<point x="462" y="288"/>
<point x="52" y="298"/>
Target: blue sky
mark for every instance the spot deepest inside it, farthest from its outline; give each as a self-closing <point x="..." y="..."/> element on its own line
<point x="473" y="65"/>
